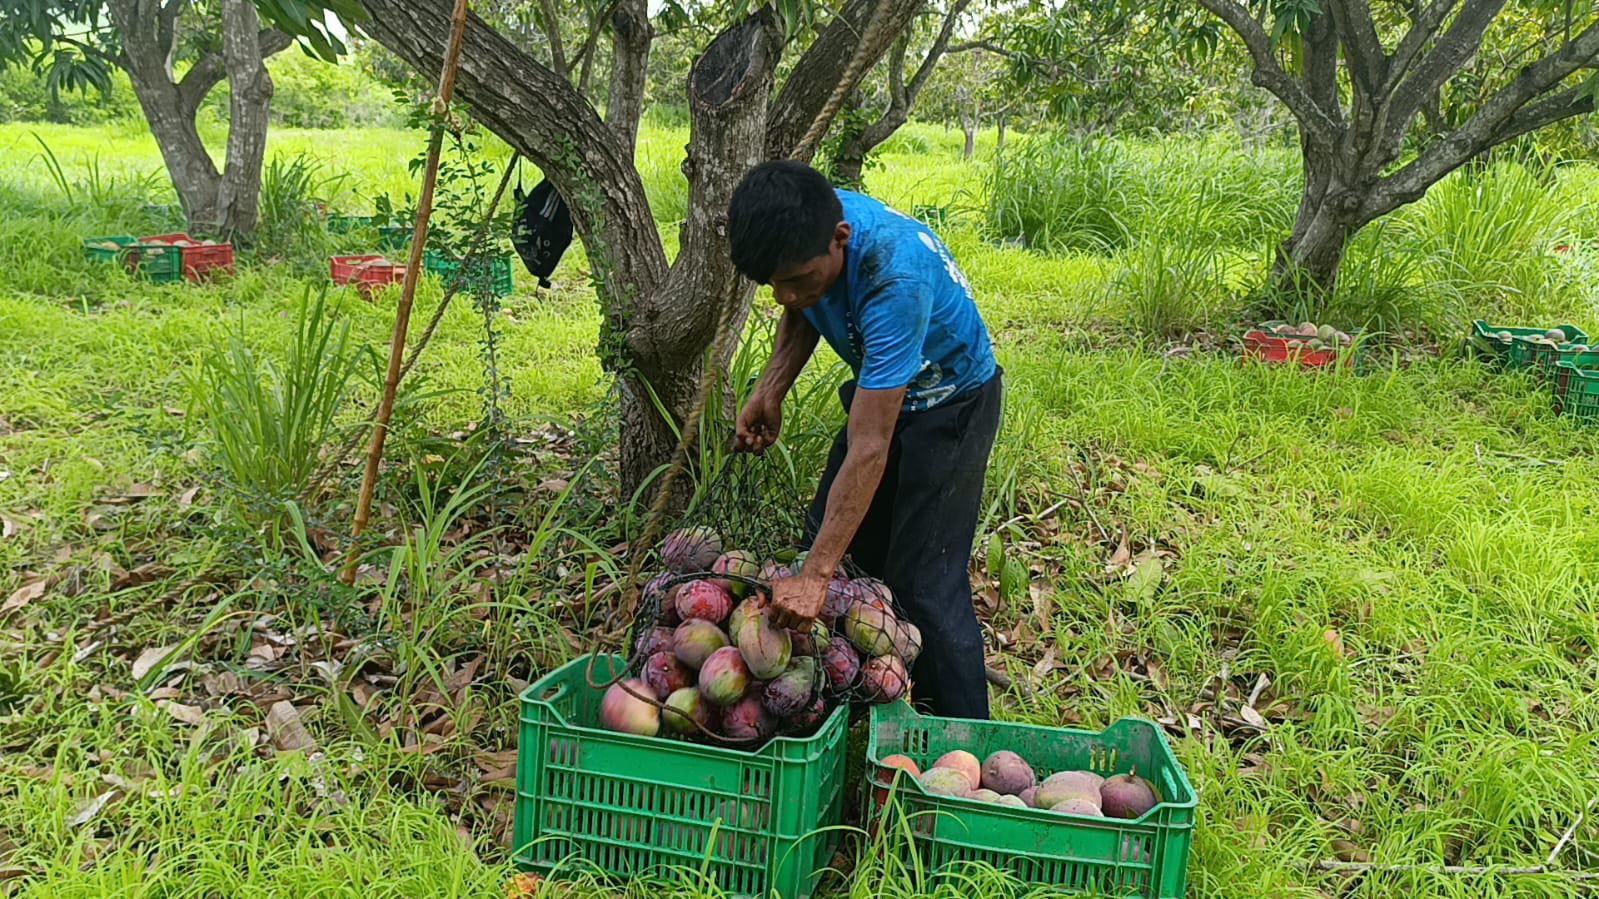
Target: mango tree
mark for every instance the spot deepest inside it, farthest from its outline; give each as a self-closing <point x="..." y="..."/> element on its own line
<point x="1358" y="76"/>
<point x="77" y="43"/>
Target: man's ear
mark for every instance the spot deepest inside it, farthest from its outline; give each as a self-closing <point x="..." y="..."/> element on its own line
<point x="841" y="233"/>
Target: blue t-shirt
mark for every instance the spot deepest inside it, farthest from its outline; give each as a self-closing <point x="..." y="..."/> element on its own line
<point x="902" y="314"/>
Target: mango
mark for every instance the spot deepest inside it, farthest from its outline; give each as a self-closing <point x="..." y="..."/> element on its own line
<point x="724" y="676"/>
<point x="766" y="648"/>
<point x="1127" y="796"/>
<point x="686" y="711"/>
<point x="691" y="549"/>
<point x="695" y="640"/>
<point x="964" y="762"/>
<point x="666" y="675"/>
<point x="1006" y="772"/>
<point x="704" y="599"/>
<point x="884" y="679"/>
<point x="624" y="712"/>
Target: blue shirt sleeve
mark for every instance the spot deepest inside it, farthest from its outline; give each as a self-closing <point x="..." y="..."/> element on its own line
<point x="893" y="322"/>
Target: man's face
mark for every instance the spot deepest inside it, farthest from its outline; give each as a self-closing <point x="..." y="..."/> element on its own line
<point x="802" y="286"/>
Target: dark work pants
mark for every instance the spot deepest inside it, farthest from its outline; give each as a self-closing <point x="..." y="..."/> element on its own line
<point x="917" y="538"/>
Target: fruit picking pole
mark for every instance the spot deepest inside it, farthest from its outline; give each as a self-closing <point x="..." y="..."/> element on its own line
<point x="413" y="272"/>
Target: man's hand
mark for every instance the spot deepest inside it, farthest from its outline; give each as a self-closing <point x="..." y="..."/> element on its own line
<point x="796" y="601"/>
<point x="758" y="422"/>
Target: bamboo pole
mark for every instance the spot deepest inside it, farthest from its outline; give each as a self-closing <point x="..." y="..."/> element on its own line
<point x="413" y="273"/>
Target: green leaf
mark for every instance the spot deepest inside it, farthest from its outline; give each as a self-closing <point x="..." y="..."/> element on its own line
<point x="996" y="556"/>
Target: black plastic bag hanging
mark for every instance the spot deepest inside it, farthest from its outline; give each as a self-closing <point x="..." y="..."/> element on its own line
<point x="542" y="229"/>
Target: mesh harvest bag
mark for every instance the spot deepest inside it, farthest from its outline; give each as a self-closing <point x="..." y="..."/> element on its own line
<point x="702" y="623"/>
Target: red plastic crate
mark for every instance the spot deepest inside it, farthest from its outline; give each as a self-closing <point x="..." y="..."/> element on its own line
<point x="368" y="274"/>
<point x="1268" y="348"/>
<point x="201" y="261"/>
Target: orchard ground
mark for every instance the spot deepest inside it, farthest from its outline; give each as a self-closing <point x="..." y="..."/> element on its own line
<point x="1366" y="597"/>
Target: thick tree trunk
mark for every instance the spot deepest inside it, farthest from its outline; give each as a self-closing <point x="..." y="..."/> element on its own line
<point x="239" y="193"/>
<point x="969" y="128"/>
<point x="999" y="141"/>
<point x="213" y="202"/>
<point x="168" y="111"/>
<point x="630" y="56"/>
<point x="728" y="88"/>
<point x="1329" y="214"/>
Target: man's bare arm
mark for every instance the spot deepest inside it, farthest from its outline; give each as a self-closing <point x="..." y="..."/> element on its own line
<point x="872" y="416"/>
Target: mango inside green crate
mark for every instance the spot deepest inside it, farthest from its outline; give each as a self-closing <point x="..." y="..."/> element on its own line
<point x="758" y="823"/>
<point x="1516" y="347"/>
<point x="1146" y="857"/>
<point x="106" y="249"/>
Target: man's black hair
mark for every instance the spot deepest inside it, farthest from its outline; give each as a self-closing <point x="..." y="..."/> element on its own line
<point x="782" y="214"/>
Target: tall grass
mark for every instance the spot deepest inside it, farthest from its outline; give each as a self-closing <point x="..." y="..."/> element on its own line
<point x="1059" y="193"/>
<point x="269" y="419"/>
<point x="294" y="192"/>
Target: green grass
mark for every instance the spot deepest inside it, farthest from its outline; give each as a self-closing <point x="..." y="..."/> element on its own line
<point x="1404" y="554"/>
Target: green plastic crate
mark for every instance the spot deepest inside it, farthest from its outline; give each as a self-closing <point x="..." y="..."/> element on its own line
<point x="159" y="263"/>
<point x="759" y="823"/>
<point x="488" y="275"/>
<point x="1576" y="388"/>
<point x="1147" y="857"/>
<point x="394" y="237"/>
<point x="1520" y="352"/>
<point x="95" y="251"/>
<point x="344" y="223"/>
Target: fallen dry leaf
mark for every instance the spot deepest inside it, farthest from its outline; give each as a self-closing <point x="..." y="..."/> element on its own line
<point x="8" y="528"/>
<point x="28" y="592"/>
<point x="285" y="729"/>
<point x="188" y="714"/>
<point x="186" y="499"/>
<point x="150" y="658"/>
<point x="88" y="810"/>
<point x="133" y="494"/>
<point x="1252" y="717"/>
<point x="1334" y="642"/>
<point x="1349" y="852"/>
<point x="139" y="576"/>
<point x="1119" y="558"/>
<point x="523" y="886"/>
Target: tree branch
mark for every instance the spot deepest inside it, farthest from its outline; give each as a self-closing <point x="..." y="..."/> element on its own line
<point x="1423" y="25"/>
<point x="1504" y="116"/>
<point x="1455" y="47"/>
<point x="545" y="119"/>
<point x="936" y="51"/>
<point x="552" y="32"/>
<point x="1269" y="75"/>
<point x="209" y="70"/>
<point x="1362" y="46"/>
<point x="630" y="55"/>
<point x="585" y="54"/>
<point x="167" y="29"/>
<point x="817" y="73"/>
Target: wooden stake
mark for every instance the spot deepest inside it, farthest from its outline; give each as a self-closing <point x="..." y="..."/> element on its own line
<point x="413" y="272"/>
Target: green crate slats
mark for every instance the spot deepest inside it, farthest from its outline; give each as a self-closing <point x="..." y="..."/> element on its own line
<point x="1520" y="352"/>
<point x="1146" y="858"/>
<point x="95" y="250"/>
<point x="343" y="223"/>
<point x="489" y="275"/>
<point x="1576" y="387"/>
<point x="588" y="798"/>
<point x="160" y="263"/>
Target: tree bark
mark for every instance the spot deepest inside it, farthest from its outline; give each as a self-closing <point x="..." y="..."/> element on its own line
<point x="630" y="56"/>
<point x="223" y="202"/>
<point x="239" y="193"/>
